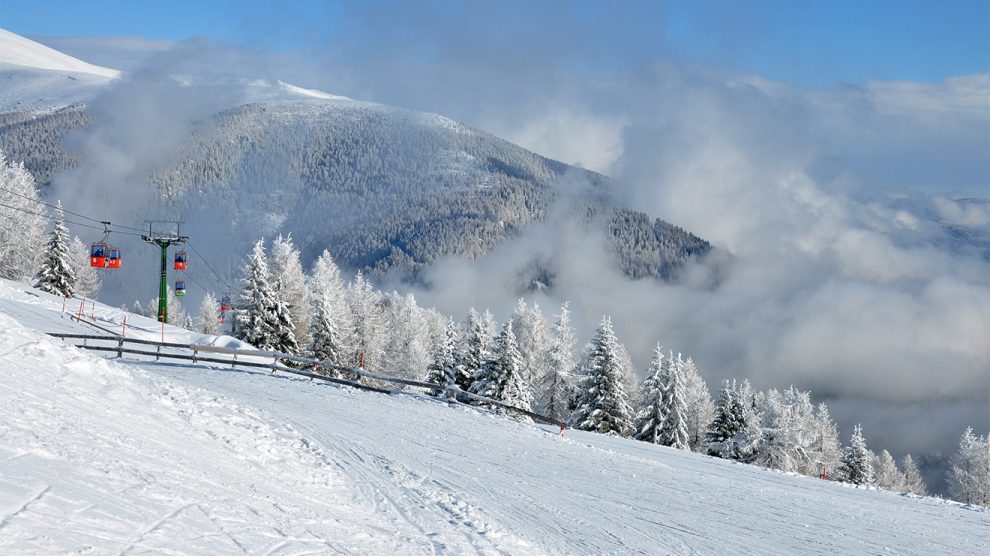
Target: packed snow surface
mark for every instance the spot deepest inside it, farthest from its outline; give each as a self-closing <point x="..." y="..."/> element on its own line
<point x="108" y="456"/>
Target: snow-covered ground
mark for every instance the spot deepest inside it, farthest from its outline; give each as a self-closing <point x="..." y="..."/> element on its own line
<point x="107" y="456"/>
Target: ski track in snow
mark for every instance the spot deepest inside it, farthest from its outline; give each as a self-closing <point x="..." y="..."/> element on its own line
<point x="106" y="457"/>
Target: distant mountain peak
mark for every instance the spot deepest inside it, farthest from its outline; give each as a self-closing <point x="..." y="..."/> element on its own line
<point x="16" y="50"/>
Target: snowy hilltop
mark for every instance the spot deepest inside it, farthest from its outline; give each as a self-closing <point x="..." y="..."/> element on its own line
<point x="106" y="455"/>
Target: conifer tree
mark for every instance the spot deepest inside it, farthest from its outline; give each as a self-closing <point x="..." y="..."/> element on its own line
<point x="969" y="470"/>
<point x="885" y="472"/>
<point x="729" y="422"/>
<point x="284" y="339"/>
<point x="256" y="314"/>
<point x="650" y="414"/>
<point x="55" y="274"/>
<point x="856" y="466"/>
<point x="87" y="280"/>
<point x="500" y="376"/>
<point x="674" y="432"/>
<point x="367" y="319"/>
<point x="473" y="352"/>
<point x="329" y="319"/>
<point x="700" y="409"/>
<point x="556" y="386"/>
<point x="913" y="482"/>
<point x="602" y="402"/>
<point x="287" y="272"/>
<point x="443" y="367"/>
<point x="208" y="319"/>
<point x="22" y="225"/>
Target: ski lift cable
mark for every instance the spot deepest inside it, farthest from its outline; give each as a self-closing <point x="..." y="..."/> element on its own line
<point x="67" y="211"/>
<point x="202" y="258"/>
<point x="74" y="223"/>
<point x="194" y="281"/>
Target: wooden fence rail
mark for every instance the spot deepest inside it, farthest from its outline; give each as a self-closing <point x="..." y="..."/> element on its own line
<point x="249" y="358"/>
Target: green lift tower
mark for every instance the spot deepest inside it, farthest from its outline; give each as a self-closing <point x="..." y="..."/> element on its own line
<point x="163" y="241"/>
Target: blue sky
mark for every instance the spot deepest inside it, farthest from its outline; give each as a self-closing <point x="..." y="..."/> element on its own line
<point x="816" y="44"/>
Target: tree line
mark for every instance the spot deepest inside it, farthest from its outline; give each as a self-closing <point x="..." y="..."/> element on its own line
<point x="529" y="363"/>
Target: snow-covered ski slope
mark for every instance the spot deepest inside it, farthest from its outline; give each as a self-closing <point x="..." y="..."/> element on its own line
<point x="108" y="457"/>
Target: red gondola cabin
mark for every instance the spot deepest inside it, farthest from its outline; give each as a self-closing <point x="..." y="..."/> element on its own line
<point x="180" y="260"/>
<point x="98" y="255"/>
<point x="113" y="261"/>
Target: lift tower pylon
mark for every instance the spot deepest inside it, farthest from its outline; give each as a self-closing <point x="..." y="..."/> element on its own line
<point x="163" y="241"/>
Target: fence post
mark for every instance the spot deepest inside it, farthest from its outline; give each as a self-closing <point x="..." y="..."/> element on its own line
<point x="120" y="347"/>
<point x="234" y="362"/>
<point x="159" y="353"/>
<point x="195" y="355"/>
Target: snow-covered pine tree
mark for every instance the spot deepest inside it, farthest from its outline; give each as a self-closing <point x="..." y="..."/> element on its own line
<point x="369" y="338"/>
<point x="443" y="370"/>
<point x="969" y="470"/>
<point x="256" y="311"/>
<point x="473" y="351"/>
<point x="208" y="320"/>
<point x="533" y="338"/>
<point x="700" y="409"/>
<point x="650" y="401"/>
<point x="730" y="421"/>
<point x="489" y="329"/>
<point x="602" y="402"/>
<point x="329" y="321"/>
<point x="500" y="376"/>
<point x="22" y="223"/>
<point x="288" y="273"/>
<point x="87" y="280"/>
<point x="282" y="325"/>
<point x="885" y="472"/>
<point x="176" y="314"/>
<point x="188" y="323"/>
<point x="856" y="467"/>
<point x="913" y="482"/>
<point x="556" y="386"/>
<point x="674" y="431"/>
<point x="55" y="274"/>
<point x="827" y="449"/>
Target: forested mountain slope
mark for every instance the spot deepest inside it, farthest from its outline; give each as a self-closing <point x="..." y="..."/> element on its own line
<point x="388" y="189"/>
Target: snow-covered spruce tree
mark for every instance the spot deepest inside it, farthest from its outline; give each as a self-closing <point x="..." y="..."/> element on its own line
<point x="700" y="409"/>
<point x="533" y="338"/>
<point x="913" y="482"/>
<point x="176" y="314"/>
<point x="650" y="401"/>
<point x="602" y="402"/>
<point x="674" y="431"/>
<point x="288" y="273"/>
<point x="369" y="332"/>
<point x="730" y="421"/>
<point x="787" y="429"/>
<point x="55" y="274"/>
<point x="443" y="369"/>
<point x="256" y="311"/>
<point x="208" y="320"/>
<point x="473" y="351"/>
<point x="969" y="470"/>
<point x="87" y="280"/>
<point x="556" y="386"/>
<point x="885" y="472"/>
<point x="188" y="323"/>
<point x="284" y="335"/>
<point x="489" y="329"/>
<point x="856" y="467"/>
<point x="22" y="222"/>
<point x="827" y="448"/>
<point x="329" y="321"/>
<point x="406" y="351"/>
<point x="500" y="376"/>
